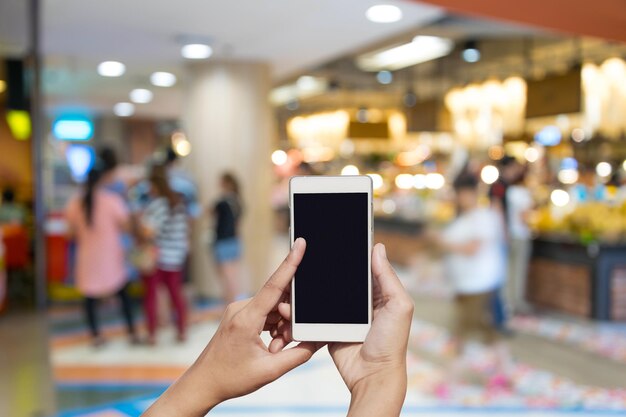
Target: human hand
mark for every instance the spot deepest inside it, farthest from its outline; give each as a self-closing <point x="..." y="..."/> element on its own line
<point x="236" y="362"/>
<point x="375" y="371"/>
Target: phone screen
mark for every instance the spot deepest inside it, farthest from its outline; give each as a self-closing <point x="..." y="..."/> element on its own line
<point x="331" y="284"/>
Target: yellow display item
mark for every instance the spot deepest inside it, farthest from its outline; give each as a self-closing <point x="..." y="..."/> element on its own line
<point x="588" y="222"/>
<point x="19" y="123"/>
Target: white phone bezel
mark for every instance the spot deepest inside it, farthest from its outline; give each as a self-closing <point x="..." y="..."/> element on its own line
<point x="329" y="332"/>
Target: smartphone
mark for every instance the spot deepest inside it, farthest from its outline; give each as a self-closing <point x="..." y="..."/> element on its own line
<point x="331" y="293"/>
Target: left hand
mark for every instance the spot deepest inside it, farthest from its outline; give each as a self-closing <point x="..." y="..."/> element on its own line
<point x="236" y="362"/>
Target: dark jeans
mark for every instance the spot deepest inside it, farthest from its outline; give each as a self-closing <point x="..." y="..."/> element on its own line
<point x="498" y="312"/>
<point x="91" y="307"/>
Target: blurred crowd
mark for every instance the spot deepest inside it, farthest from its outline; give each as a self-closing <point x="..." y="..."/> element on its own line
<point x="141" y="229"/>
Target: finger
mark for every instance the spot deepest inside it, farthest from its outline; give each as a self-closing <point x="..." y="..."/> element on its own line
<point x="390" y="286"/>
<point x="277" y="344"/>
<point x="273" y="290"/>
<point x="285" y="360"/>
<point x="284" y="310"/>
<point x="384" y="274"/>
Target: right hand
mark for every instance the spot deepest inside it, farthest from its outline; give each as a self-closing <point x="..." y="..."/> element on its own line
<point x="375" y="371"/>
<point x="383" y="354"/>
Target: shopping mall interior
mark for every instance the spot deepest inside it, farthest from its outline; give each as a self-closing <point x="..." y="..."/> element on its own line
<point x="116" y="113"/>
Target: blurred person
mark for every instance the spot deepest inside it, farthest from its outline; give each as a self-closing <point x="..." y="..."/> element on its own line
<point x="166" y="223"/>
<point x="227" y="244"/>
<point x="182" y="183"/>
<point x="509" y="170"/>
<point x="110" y="178"/>
<point x="237" y="362"/>
<point x="474" y="264"/>
<point x="519" y="203"/>
<point x="96" y="220"/>
<point x="11" y="212"/>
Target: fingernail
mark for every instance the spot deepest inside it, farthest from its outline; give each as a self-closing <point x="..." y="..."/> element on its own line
<point x="383" y="251"/>
<point x="297" y="243"/>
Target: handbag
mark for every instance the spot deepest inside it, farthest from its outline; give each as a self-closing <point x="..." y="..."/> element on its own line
<point x="144" y="257"/>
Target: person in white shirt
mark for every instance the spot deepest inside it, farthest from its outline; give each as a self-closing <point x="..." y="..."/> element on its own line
<point x="475" y="264"/>
<point x="520" y="203"/>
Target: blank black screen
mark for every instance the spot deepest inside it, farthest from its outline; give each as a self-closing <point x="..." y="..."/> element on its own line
<point x="331" y="282"/>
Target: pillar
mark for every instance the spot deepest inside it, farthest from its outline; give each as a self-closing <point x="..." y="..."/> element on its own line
<point x="227" y="119"/>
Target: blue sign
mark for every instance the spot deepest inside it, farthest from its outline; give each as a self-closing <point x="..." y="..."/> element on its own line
<point x="72" y="128"/>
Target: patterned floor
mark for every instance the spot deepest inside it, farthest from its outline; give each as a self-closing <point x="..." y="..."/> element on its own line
<point x="122" y="380"/>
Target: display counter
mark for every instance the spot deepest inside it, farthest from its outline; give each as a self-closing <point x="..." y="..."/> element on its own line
<point x="583" y="280"/>
<point x="401" y="237"/>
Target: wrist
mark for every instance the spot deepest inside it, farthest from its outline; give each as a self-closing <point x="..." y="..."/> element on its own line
<point x="187" y="397"/>
<point x="381" y="394"/>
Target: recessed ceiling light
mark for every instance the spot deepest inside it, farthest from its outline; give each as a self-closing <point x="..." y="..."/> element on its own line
<point x="470" y="52"/>
<point x="383" y="13"/>
<point x="124" y="109"/>
<point x="384" y="77"/>
<point x="421" y="49"/>
<point x="141" y="96"/>
<point x="111" y="69"/>
<point x="196" y="51"/>
<point x="163" y="79"/>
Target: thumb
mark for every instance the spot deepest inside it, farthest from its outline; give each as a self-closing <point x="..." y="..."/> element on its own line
<point x="288" y="359"/>
<point x="384" y="274"/>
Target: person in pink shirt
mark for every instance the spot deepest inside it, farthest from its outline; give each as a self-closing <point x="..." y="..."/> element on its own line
<point x="96" y="220"/>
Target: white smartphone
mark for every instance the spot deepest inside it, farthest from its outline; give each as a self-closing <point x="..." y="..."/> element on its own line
<point x="331" y="293"/>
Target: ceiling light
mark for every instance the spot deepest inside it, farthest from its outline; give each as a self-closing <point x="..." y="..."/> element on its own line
<point x="568" y="176"/>
<point x="421" y="49"/>
<point x="383" y="13"/>
<point x="279" y="157"/>
<point x="604" y="169"/>
<point x="350" y="170"/>
<point x="124" y="109"/>
<point x="470" y="52"/>
<point x="531" y="154"/>
<point x="3" y="86"/>
<point x="377" y="181"/>
<point x="182" y="147"/>
<point x="578" y="135"/>
<point x="162" y="79"/>
<point x="141" y="96"/>
<point x="384" y="77"/>
<point x="111" y="69"/>
<point x="404" y="181"/>
<point x="306" y="82"/>
<point x="389" y="206"/>
<point x="489" y="174"/>
<point x="419" y="181"/>
<point x="435" y="181"/>
<point x="196" y="51"/>
<point x="559" y="198"/>
<point x="410" y="98"/>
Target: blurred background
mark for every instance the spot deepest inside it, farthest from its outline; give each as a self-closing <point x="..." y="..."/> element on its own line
<point x="482" y="125"/>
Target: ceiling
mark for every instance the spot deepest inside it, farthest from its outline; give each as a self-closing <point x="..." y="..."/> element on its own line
<point x="146" y="35"/>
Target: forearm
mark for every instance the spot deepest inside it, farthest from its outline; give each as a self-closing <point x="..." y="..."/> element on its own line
<point x="381" y="397"/>
<point x="181" y="400"/>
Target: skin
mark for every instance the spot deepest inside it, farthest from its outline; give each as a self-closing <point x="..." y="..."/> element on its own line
<point x="236" y="362"/>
